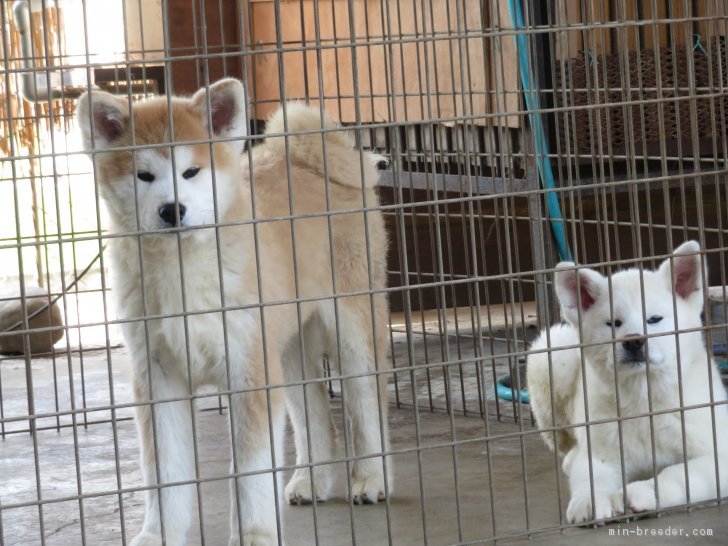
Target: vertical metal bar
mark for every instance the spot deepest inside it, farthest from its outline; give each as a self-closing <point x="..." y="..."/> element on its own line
<point x="299" y="316"/>
<point x="544" y="253"/>
<point x="77" y="460"/>
<point x="104" y="291"/>
<point x="719" y="216"/>
<point x="365" y="205"/>
<point x="441" y="276"/>
<point x="681" y="169"/>
<point x="700" y="207"/>
<point x="396" y="174"/>
<point x="633" y="196"/>
<point x="248" y="86"/>
<point x="32" y="425"/>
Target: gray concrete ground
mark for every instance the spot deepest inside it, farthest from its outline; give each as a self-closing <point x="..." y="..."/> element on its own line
<point x="452" y="485"/>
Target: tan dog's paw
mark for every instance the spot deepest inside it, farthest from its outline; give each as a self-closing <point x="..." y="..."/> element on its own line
<point x="580" y="507"/>
<point x="367" y="491"/>
<point x="367" y="482"/>
<point x="257" y="538"/>
<point x="641" y="496"/>
<point x="146" y="538"/>
<point x="300" y="491"/>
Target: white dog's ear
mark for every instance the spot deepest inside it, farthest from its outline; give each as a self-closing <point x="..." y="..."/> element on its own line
<point x="577" y="288"/>
<point x="102" y="117"/>
<point x="683" y="271"/>
<point x="228" y="109"/>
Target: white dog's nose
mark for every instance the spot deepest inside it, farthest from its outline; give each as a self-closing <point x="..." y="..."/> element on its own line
<point x="168" y="213"/>
<point x="633" y="343"/>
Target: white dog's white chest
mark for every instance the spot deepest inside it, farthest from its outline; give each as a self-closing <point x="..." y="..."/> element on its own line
<point x="632" y="442"/>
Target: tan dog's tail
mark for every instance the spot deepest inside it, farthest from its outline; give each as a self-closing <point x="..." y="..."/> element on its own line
<point x="339" y="161"/>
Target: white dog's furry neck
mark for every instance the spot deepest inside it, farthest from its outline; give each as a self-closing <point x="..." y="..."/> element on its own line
<point x="635" y="388"/>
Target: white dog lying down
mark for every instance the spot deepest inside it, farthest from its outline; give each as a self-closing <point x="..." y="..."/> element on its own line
<point x="158" y="273"/>
<point x="633" y="363"/>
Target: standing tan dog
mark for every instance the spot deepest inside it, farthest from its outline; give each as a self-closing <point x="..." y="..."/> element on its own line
<point x="177" y="270"/>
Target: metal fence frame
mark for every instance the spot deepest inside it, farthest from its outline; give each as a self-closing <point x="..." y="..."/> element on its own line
<point x="454" y="178"/>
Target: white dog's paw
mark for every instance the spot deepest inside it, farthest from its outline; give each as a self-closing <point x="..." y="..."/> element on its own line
<point x="641" y="496"/>
<point x="300" y="490"/>
<point x="367" y="482"/>
<point x="256" y="538"/>
<point x="580" y="506"/>
<point x="145" y="538"/>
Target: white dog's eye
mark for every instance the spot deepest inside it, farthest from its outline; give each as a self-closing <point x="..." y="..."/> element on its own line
<point x="145" y="176"/>
<point x="617" y="323"/>
<point x="190" y="173"/>
<point x="654" y="319"/>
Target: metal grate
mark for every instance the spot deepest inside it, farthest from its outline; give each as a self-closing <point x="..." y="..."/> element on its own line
<point x="645" y="98"/>
<point x="626" y="108"/>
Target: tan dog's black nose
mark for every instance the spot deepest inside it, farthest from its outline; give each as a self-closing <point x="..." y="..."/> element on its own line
<point x="168" y="213"/>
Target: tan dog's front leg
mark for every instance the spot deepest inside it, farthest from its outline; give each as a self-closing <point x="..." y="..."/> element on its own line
<point x="255" y="496"/>
<point x="173" y="430"/>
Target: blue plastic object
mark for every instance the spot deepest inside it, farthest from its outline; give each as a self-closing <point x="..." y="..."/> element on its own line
<point x="544" y="165"/>
<point x="505" y="391"/>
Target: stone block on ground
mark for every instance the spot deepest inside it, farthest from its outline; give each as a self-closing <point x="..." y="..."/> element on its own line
<point x="12" y="311"/>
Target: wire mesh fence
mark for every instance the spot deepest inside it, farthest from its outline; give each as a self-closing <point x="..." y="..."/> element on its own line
<point x="487" y="141"/>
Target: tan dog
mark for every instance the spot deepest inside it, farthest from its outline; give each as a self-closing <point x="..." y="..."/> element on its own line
<point x="182" y="279"/>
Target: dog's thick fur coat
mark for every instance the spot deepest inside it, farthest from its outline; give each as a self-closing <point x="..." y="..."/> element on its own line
<point x="632" y="363"/>
<point x="171" y="286"/>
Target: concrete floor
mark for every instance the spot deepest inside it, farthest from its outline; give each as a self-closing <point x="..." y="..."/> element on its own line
<point x="466" y="493"/>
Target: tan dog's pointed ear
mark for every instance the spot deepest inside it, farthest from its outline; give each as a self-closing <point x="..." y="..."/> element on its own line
<point x="103" y="119"/>
<point x="227" y="115"/>
<point x="683" y="271"/>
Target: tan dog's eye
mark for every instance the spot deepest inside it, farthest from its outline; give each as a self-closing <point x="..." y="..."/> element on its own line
<point x="145" y="176"/>
<point x="190" y="173"/>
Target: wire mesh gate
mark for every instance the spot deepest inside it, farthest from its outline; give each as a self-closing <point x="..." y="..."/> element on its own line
<point x="631" y="100"/>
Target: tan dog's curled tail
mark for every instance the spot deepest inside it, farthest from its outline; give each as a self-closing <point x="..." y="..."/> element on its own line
<point x="339" y="160"/>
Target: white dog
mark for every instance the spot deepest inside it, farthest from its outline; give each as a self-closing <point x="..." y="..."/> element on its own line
<point x="632" y="363"/>
<point x="247" y="305"/>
